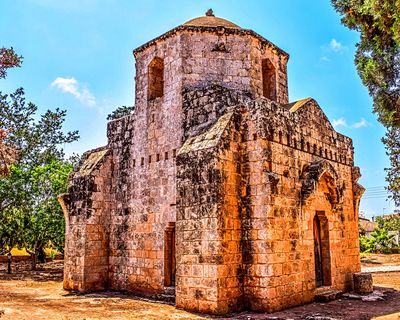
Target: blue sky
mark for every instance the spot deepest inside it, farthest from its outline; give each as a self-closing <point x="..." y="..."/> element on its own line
<point x="78" y="56"/>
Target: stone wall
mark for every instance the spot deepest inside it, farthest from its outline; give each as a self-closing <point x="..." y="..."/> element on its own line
<point x="87" y="218"/>
<point x="209" y="255"/>
<point x="284" y="183"/>
<point x="232" y="61"/>
<point x="242" y="179"/>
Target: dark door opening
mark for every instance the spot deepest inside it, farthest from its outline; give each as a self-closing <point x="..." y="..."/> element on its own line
<point x="319" y="275"/>
<point x="322" y="253"/>
<point x="169" y="255"/>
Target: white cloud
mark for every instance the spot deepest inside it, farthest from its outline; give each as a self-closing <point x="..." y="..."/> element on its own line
<point x="325" y="59"/>
<point x="334" y="46"/>
<point x="361" y="124"/>
<point x="71" y="86"/>
<point x="339" y="122"/>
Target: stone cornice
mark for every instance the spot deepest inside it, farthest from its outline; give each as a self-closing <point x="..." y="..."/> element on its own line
<point x="218" y="30"/>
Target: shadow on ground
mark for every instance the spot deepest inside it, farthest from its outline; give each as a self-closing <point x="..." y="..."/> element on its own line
<point x="38" y="294"/>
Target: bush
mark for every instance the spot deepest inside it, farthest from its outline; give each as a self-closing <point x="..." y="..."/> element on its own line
<point x="380" y="242"/>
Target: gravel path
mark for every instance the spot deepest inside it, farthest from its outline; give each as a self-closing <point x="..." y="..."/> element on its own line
<point x="380" y="269"/>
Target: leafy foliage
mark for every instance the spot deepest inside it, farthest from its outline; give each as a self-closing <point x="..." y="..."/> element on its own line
<point x="120" y="112"/>
<point x="8" y="154"/>
<point x="37" y="141"/>
<point x="378" y="63"/>
<point x="44" y="225"/>
<point x="392" y="143"/>
<point x="378" y="52"/>
<point x="379" y="242"/>
<point x="8" y="59"/>
<point x="30" y="215"/>
<point x="391" y="223"/>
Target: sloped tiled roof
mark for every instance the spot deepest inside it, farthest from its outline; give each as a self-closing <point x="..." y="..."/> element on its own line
<point x="90" y="163"/>
<point x="294" y="106"/>
<point x="209" y="138"/>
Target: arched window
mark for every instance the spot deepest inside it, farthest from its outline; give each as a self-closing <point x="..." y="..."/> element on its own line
<point x="156" y="78"/>
<point x="268" y="79"/>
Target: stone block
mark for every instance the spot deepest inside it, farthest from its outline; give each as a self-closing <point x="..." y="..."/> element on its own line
<point x="363" y="282"/>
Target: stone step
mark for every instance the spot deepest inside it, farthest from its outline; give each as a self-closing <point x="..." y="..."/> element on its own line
<point x="169" y="290"/>
<point x="328" y="295"/>
<point x="170" y="298"/>
<point x="167" y="296"/>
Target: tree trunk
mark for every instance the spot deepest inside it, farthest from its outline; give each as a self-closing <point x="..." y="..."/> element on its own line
<point x="9" y="256"/>
<point x="33" y="254"/>
<point x="33" y="260"/>
<point x="41" y="256"/>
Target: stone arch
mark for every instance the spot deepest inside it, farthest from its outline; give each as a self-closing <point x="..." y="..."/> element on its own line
<point x="155" y="87"/>
<point x="316" y="173"/>
<point x="269" y="79"/>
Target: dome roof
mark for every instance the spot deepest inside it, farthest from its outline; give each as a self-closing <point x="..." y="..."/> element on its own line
<point x="209" y="20"/>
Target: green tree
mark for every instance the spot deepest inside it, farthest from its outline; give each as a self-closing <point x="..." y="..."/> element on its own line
<point x="391" y="223"/>
<point x="8" y="59"/>
<point x="29" y="192"/>
<point x="378" y="63"/>
<point x="11" y="229"/>
<point x="392" y="143"/>
<point x="44" y="223"/>
<point x="120" y="112"/>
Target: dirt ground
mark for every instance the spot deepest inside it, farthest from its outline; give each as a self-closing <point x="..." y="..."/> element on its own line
<point x="37" y="295"/>
<point x="376" y="260"/>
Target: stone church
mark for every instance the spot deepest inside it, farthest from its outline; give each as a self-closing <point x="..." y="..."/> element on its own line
<point x="216" y="187"/>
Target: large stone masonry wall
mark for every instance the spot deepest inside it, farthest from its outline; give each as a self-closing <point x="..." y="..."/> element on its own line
<point x="144" y="147"/>
<point x="280" y="273"/>
<point x="281" y="146"/>
<point x="87" y="217"/>
<point x="231" y="60"/>
<point x="209" y="253"/>
<point x="143" y="205"/>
